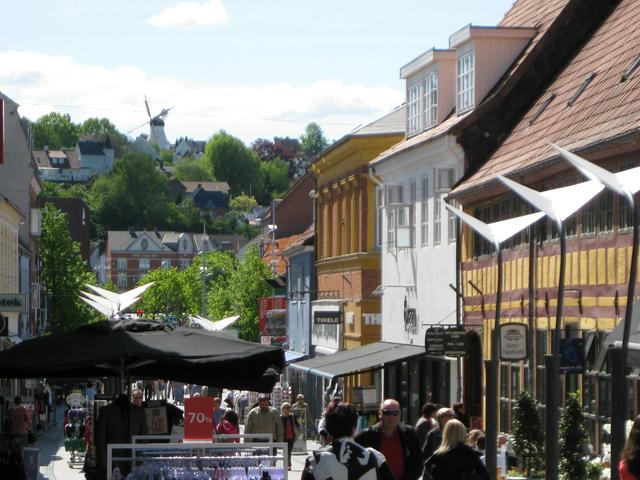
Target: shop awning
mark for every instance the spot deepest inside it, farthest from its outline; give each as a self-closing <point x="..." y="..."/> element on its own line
<point x="291" y="356"/>
<point x="373" y="356"/>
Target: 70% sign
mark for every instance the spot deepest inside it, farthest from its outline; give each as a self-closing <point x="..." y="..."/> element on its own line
<point x="198" y="414"/>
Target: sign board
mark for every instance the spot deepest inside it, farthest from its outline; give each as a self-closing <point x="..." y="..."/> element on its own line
<point x="449" y="341"/>
<point x="276" y="323"/>
<point x="156" y="420"/>
<point x="572" y="355"/>
<point x="13" y="302"/>
<point x="266" y="305"/>
<point x="198" y="418"/>
<point x="327" y="318"/>
<point x="513" y="342"/>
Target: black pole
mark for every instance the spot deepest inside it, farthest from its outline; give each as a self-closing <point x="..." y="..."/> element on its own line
<point x="533" y="371"/>
<point x="552" y="363"/>
<point x="458" y="309"/>
<point x="619" y="365"/>
<point x="491" y="372"/>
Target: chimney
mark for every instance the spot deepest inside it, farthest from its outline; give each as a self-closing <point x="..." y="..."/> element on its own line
<point x="156" y="231"/>
<point x="132" y="232"/>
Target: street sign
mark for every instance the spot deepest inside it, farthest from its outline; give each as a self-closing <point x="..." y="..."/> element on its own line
<point x="513" y="342"/>
<point x="13" y="302"/>
<point x="450" y="341"/>
<point x="572" y="355"/>
<point x="198" y="418"/>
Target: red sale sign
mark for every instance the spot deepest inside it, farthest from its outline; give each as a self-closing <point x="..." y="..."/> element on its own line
<point x="198" y="418"/>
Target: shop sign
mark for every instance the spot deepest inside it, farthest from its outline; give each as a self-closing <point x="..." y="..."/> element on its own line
<point x="513" y="342"/>
<point x="327" y="318"/>
<point x="449" y="341"/>
<point x="13" y="302"/>
<point x="198" y="418"/>
<point x="572" y="355"/>
<point x="156" y="420"/>
<point x="272" y="323"/>
<point x="75" y="399"/>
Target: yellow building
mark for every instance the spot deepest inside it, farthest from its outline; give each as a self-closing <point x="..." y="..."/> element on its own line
<point x="10" y="218"/>
<point x="347" y="240"/>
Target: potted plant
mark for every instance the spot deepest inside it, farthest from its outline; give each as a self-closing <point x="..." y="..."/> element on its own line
<point x="528" y="434"/>
<point x="573" y="439"/>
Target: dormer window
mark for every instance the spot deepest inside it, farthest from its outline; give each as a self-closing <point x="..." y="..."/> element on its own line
<point x="431" y="100"/>
<point x="466" y="77"/>
<point x="414" y="112"/>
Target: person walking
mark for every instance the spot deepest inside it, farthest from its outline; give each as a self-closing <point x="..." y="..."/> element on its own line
<point x="629" y="466"/>
<point x="426" y="422"/>
<point x="455" y="460"/>
<point x="229" y="425"/>
<point x="301" y="412"/>
<point x="19" y="421"/>
<point x="434" y="437"/>
<point x="343" y="458"/>
<point x="397" y="441"/>
<point x="264" y="419"/>
<point x="289" y="430"/>
<point x="218" y="411"/>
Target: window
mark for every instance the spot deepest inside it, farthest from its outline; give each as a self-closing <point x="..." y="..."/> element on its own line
<point x="424" y="211"/>
<point x="466" y="67"/>
<point x="395" y="212"/>
<point x="379" y="213"/>
<point x="184" y="263"/>
<point x="412" y="211"/>
<point x="166" y="264"/>
<point x="414" y="113"/>
<point x="122" y="264"/>
<point x="444" y="181"/>
<point x="144" y="264"/>
<point x="122" y="280"/>
<point x="431" y="100"/>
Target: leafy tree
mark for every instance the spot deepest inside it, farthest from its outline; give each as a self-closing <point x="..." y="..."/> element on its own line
<point x="190" y="170"/>
<point x="55" y="130"/>
<point x="63" y="273"/>
<point x="219" y="266"/>
<point x="104" y="130"/>
<point x="134" y="193"/>
<point x="242" y="204"/>
<point x="573" y="440"/>
<point x="276" y="179"/>
<point x="313" y="141"/>
<point x="528" y="433"/>
<point x="168" y="295"/>
<point x="231" y="161"/>
<point x="51" y="189"/>
<point x="284" y="148"/>
<point x="166" y="157"/>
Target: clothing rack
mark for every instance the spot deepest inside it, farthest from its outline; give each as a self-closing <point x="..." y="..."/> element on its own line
<point x="219" y="438"/>
<point x="225" y="453"/>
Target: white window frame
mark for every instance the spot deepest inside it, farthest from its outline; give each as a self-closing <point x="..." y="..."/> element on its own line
<point x="414" y="110"/>
<point x="413" y="193"/>
<point x="184" y="263"/>
<point x="430" y="101"/>
<point x="395" y="212"/>
<point x="166" y="263"/>
<point x="424" y="211"/>
<point x="444" y="180"/>
<point x="122" y="280"/>
<point x="144" y="264"/>
<point x="122" y="263"/>
<point x="466" y="82"/>
<point x="379" y="215"/>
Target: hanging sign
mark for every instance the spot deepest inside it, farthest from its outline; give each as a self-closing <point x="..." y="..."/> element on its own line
<point x="572" y="355"/>
<point x="327" y="318"/>
<point x="13" y="302"/>
<point x="198" y="418"/>
<point x="449" y="341"/>
<point x="513" y="342"/>
<point x="156" y="420"/>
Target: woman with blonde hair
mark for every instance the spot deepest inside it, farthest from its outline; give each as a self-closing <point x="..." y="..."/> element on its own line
<point x="454" y="459"/>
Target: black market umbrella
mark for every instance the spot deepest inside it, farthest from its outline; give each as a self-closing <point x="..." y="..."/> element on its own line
<point x="146" y="348"/>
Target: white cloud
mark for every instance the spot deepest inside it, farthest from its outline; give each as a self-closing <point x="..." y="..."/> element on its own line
<point x="41" y="83"/>
<point x="189" y="15"/>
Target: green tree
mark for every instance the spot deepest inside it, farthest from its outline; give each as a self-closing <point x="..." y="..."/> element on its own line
<point x="232" y="162"/>
<point x="219" y="266"/>
<point x="55" y="130"/>
<point x="312" y="141"/>
<point x="63" y="273"/>
<point x="134" y="193"/>
<point x="166" y="157"/>
<point x="528" y="433"/>
<point x="275" y="176"/>
<point x="573" y="440"/>
<point x="168" y="295"/>
<point x="190" y="170"/>
<point x="104" y="130"/>
<point x="242" y="204"/>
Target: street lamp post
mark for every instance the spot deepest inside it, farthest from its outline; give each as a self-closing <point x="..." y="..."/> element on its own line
<point x="496" y="233"/>
<point x="558" y="204"/>
<point x="626" y="184"/>
<point x="203" y="305"/>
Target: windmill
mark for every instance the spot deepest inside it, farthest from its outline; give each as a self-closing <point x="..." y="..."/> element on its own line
<point x="156" y="127"/>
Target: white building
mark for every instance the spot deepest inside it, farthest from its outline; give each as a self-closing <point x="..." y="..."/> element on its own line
<point x="88" y="158"/>
<point x="416" y="235"/>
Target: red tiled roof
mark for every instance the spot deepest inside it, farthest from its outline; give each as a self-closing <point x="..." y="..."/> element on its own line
<point x="607" y="108"/>
<point x="523" y="13"/>
<point x="283" y="244"/>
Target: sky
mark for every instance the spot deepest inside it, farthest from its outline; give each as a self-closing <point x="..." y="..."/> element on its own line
<point x="256" y="69"/>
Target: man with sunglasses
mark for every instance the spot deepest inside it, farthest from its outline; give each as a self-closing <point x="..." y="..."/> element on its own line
<point x="397" y="441"/>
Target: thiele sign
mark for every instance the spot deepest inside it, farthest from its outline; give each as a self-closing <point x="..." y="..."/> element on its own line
<point x="13" y="302"/>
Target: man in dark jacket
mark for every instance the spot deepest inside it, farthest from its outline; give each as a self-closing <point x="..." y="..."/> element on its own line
<point x="434" y="437"/>
<point x="397" y="441"/>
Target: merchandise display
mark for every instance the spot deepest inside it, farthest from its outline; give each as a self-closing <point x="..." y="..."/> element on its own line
<point x="74" y="432"/>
